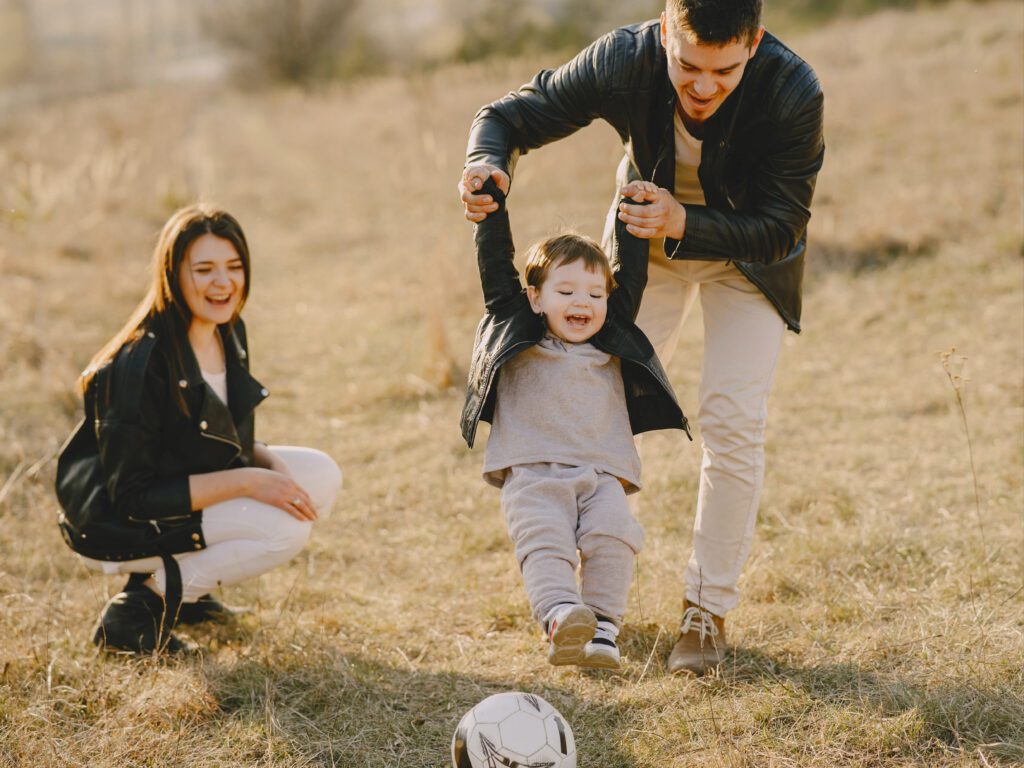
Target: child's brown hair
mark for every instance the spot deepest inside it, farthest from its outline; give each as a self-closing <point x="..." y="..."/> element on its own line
<point x="565" y="249"/>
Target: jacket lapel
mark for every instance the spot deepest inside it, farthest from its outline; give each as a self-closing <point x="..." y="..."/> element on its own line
<point x="662" y="133"/>
<point x="244" y="391"/>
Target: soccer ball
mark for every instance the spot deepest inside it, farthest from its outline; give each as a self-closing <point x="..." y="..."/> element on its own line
<point x="513" y="730"/>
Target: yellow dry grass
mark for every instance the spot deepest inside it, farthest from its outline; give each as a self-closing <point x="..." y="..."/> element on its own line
<point x="882" y="616"/>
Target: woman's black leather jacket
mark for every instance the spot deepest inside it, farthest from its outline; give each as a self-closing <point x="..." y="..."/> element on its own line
<point x="122" y="477"/>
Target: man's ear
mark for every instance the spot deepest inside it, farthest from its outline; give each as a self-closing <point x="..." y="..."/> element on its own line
<point x="756" y="41"/>
<point x="534" y="296"/>
<point x="664" y="30"/>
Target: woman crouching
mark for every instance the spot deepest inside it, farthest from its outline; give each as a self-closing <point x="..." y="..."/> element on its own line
<point x="163" y="479"/>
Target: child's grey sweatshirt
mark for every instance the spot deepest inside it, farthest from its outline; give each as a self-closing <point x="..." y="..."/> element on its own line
<point x="562" y="403"/>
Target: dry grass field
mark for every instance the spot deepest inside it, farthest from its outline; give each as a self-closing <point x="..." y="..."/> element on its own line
<point x="882" y="622"/>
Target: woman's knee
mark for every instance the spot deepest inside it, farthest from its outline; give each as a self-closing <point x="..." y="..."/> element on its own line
<point x="317" y="473"/>
<point x="289" y="537"/>
<point x="328" y="479"/>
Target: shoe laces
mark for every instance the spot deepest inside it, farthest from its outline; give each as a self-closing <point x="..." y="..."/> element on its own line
<point x="695" y="617"/>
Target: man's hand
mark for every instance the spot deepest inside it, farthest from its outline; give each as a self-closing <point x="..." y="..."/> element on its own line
<point x="473" y="178"/>
<point x="664" y="216"/>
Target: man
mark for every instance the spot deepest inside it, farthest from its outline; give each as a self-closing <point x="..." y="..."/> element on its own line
<point x="727" y="122"/>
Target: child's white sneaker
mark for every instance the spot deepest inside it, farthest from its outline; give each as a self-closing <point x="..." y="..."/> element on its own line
<point x="570" y="627"/>
<point x="602" y="652"/>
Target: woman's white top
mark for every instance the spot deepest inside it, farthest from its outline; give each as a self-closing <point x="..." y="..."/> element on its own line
<point x="218" y="383"/>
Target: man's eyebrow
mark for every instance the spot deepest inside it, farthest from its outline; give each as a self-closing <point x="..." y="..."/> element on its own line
<point x="686" y="63"/>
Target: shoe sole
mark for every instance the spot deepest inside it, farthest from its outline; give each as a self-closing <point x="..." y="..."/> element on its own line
<point x="694" y="664"/>
<point x="570" y="637"/>
<point x="599" y="661"/>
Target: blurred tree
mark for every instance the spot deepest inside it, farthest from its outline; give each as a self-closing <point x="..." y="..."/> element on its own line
<point x="15" y="40"/>
<point x="291" y="40"/>
<point x="499" y="28"/>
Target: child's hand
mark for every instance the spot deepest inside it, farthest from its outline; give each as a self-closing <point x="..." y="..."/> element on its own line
<point x="640" y="191"/>
<point x="661" y="216"/>
<point x="478" y="205"/>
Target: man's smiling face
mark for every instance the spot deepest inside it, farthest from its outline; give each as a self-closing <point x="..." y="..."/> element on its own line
<point x="703" y="75"/>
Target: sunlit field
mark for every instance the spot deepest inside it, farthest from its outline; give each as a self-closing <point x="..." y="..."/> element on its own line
<point x="882" y="619"/>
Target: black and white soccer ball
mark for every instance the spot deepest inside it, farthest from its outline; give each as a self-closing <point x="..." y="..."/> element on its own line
<point x="513" y="730"/>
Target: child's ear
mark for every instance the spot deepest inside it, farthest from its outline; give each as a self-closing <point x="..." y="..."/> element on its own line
<point x="534" y="296"/>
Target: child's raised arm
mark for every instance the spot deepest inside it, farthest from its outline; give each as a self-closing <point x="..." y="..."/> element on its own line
<point x="495" y="252"/>
<point x="629" y="256"/>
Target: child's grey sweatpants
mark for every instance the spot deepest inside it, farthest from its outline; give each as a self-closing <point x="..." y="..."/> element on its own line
<point x="553" y="510"/>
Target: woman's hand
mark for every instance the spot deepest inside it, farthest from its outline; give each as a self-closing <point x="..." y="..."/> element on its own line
<point x="662" y="217"/>
<point x="279" y="490"/>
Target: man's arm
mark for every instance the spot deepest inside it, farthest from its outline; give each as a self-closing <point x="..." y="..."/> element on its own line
<point x="555" y="104"/>
<point x="782" y="187"/>
<point x="775" y="218"/>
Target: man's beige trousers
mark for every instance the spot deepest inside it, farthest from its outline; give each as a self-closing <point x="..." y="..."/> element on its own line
<point x="742" y="337"/>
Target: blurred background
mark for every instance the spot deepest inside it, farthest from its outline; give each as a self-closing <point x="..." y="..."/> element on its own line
<point x="882" y="618"/>
<point x="60" y="47"/>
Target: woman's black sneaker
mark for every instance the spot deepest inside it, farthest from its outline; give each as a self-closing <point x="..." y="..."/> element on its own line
<point x="133" y="621"/>
<point x="207" y="608"/>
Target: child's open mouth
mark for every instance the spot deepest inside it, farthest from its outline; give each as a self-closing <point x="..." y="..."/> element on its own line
<point x="577" y="321"/>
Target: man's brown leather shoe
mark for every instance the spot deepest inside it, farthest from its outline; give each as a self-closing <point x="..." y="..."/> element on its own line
<point x="701" y="643"/>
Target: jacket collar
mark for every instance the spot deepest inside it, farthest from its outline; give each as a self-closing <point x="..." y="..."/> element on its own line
<point x="244" y="391"/>
<point x="661" y="127"/>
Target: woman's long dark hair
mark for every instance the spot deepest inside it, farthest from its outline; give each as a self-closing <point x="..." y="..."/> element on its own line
<point x="164" y="309"/>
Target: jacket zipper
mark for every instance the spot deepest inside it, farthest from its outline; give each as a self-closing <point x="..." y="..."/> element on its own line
<point x="154" y="523"/>
<point x="232" y="443"/>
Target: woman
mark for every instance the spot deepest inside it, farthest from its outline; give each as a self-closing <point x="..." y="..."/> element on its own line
<point x="163" y="479"/>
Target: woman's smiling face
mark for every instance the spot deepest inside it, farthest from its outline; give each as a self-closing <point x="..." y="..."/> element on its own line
<point x="212" y="280"/>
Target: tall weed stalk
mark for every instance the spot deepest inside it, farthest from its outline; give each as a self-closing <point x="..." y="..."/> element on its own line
<point x="953" y="365"/>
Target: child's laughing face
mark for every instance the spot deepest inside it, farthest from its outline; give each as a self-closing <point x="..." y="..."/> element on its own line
<point x="573" y="300"/>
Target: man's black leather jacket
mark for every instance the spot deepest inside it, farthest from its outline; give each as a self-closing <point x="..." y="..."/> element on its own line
<point x="761" y="152"/>
<point x="122" y="477"/>
<point x="510" y="326"/>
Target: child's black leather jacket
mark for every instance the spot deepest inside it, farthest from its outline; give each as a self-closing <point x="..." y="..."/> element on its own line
<point x="122" y="477"/>
<point x="510" y="326"/>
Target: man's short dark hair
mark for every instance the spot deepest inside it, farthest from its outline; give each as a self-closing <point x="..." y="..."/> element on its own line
<point x="716" y="22"/>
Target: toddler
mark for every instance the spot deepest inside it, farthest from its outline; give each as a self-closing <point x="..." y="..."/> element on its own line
<point x="566" y="378"/>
